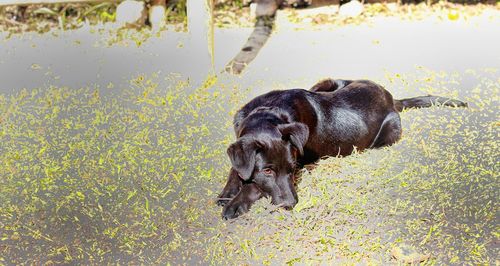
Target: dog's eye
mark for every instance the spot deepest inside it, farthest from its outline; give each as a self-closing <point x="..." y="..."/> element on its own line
<point x="268" y="171"/>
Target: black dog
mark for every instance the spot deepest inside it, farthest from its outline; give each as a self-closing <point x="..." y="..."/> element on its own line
<point x="282" y="130"/>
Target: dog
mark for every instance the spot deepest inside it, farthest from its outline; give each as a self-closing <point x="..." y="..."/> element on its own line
<point x="281" y="131"/>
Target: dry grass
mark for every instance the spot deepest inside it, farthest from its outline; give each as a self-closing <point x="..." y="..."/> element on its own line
<point x="129" y="175"/>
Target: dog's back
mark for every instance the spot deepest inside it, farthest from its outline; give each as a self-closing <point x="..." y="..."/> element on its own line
<point x="347" y="114"/>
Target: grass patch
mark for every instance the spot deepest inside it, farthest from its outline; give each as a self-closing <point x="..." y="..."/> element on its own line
<point x="128" y="175"/>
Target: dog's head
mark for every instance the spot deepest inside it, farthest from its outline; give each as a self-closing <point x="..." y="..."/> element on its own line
<point x="268" y="159"/>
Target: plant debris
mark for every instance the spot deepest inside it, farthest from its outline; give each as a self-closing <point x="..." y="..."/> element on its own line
<point x="129" y="175"/>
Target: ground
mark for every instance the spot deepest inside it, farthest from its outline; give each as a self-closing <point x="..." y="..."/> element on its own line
<point x="113" y="147"/>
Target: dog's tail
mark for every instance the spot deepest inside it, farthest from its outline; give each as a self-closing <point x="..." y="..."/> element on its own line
<point x="426" y="101"/>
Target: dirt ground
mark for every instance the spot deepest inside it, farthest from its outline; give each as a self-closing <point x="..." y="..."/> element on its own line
<point x="113" y="143"/>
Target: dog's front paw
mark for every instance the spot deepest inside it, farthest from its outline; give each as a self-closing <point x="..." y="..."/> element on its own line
<point x="234" y="209"/>
<point x="227" y="195"/>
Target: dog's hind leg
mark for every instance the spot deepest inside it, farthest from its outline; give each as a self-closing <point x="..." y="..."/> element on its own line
<point x="389" y="132"/>
<point x="330" y="85"/>
<point x="231" y="189"/>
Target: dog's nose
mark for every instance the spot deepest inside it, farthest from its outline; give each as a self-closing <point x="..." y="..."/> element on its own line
<point x="288" y="205"/>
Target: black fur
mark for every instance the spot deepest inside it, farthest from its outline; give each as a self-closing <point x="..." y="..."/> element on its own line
<point x="281" y="130"/>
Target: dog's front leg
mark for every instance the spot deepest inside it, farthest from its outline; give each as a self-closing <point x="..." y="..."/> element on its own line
<point x="249" y="193"/>
<point x="231" y="189"/>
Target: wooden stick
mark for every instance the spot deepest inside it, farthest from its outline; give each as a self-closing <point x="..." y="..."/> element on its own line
<point x="201" y="29"/>
<point x="259" y="36"/>
<point x="36" y="2"/>
<point x="265" y="14"/>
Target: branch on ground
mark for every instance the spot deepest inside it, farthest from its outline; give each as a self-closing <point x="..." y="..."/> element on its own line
<point x="259" y="36"/>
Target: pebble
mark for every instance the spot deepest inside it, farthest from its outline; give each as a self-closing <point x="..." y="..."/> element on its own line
<point x="351" y="9"/>
<point x="131" y="13"/>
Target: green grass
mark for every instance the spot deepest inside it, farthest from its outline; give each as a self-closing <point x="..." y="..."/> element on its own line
<point x="128" y="174"/>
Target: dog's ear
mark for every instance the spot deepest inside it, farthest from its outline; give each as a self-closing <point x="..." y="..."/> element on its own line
<point x="296" y="133"/>
<point x="242" y="156"/>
